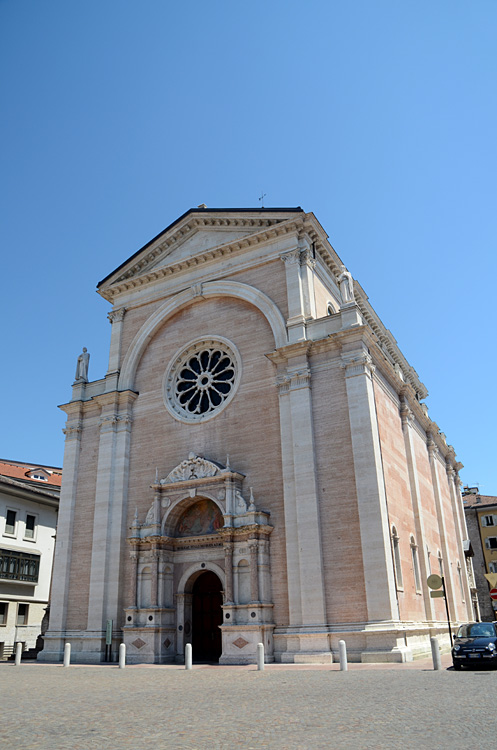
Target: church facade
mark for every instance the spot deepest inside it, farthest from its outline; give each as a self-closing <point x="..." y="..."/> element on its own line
<point x="256" y="466"/>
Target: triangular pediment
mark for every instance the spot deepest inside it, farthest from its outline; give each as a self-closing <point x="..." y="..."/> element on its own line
<point x="197" y="232"/>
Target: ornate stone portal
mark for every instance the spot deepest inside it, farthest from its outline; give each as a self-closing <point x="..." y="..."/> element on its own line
<point x="199" y="521"/>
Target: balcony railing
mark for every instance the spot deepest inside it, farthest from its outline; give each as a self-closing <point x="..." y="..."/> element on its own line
<point x="19" y="566"/>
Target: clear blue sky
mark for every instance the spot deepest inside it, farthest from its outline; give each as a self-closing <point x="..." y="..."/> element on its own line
<point x="380" y="116"/>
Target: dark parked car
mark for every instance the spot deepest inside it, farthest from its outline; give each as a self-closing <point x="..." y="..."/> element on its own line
<point x="475" y="643"/>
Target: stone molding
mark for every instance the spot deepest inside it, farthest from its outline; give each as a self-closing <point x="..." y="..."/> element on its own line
<point x="194" y="467"/>
<point x="138" y="274"/>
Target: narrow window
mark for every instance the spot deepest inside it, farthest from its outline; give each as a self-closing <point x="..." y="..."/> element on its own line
<point x="492" y="568"/>
<point x="415" y="565"/>
<point x="329" y="309"/>
<point x="396" y="557"/>
<point x="428" y="555"/>
<point x="488" y="520"/>
<point x="10" y="523"/>
<point x="440" y="563"/>
<point x="30" y="526"/>
<point x="491" y="542"/>
<point x="22" y="614"/>
<point x="3" y="612"/>
<point x="459" y="575"/>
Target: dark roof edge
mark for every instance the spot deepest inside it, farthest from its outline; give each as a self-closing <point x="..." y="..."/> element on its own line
<point x="28" y="465"/>
<point x="297" y="209"/>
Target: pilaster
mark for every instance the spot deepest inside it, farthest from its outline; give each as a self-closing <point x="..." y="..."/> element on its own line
<point x="448" y="576"/>
<point x="54" y="640"/>
<point x="302" y="521"/>
<point x="379" y="576"/>
<point x="299" y="267"/>
<point x="407" y="417"/>
<point x="462" y="532"/>
<point x="116" y="318"/>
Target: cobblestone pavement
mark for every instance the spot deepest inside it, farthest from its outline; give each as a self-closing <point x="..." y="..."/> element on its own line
<point x="216" y="708"/>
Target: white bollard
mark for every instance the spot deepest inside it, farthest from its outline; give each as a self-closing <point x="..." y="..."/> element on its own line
<point x="67" y="654"/>
<point x="260" y="657"/>
<point x="435" y="652"/>
<point x="342" y="650"/>
<point x="18" y="653"/>
<point x="122" y="655"/>
<point x="188" y="656"/>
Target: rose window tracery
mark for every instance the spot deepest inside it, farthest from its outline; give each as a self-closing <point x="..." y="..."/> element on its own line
<point x="202" y="379"/>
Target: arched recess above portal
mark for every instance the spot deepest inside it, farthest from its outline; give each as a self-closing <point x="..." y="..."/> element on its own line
<point x="184" y="299"/>
<point x="174" y="514"/>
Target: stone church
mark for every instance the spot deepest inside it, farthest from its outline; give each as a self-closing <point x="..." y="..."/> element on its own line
<point x="257" y="464"/>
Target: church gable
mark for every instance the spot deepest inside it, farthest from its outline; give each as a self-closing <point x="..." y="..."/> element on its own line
<point x="196" y="235"/>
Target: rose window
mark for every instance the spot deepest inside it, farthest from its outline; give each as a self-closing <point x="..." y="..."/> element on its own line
<point x="202" y="379"/>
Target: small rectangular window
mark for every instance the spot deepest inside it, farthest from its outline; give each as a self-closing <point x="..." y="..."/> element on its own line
<point x="493" y="567"/>
<point x="30" y="526"/>
<point x="4" y="608"/>
<point x="10" y="522"/>
<point x="491" y="542"/>
<point x="489" y="520"/>
<point x="22" y="614"/>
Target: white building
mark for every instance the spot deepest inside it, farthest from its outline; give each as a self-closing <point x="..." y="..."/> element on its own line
<point x="29" y="501"/>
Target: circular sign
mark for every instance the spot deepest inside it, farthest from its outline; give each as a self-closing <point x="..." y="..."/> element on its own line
<point x="434" y="581"/>
<point x="493" y="593"/>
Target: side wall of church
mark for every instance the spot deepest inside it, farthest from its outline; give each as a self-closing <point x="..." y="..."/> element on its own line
<point x="400" y="510"/>
<point x="246" y="429"/>
<point x="339" y="518"/>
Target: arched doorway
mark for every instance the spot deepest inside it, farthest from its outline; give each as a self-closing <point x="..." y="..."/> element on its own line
<point x="207" y="615"/>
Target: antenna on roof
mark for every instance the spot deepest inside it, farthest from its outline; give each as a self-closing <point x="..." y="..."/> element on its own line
<point x="262" y="199"/>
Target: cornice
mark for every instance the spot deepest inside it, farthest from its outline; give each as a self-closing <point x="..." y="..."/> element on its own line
<point x="136" y="275"/>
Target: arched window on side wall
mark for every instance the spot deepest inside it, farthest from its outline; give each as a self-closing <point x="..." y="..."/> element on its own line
<point x="396" y="558"/>
<point x="415" y="565"/>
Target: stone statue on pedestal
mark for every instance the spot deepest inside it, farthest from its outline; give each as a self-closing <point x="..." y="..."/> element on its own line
<point x="346" y="285"/>
<point x="82" y="367"/>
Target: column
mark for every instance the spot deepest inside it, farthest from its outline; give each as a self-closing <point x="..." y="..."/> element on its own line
<point x="290" y="503"/>
<point x="299" y="267"/>
<point x="228" y="571"/>
<point x="118" y="509"/>
<point x="254" y="569"/>
<point x="407" y="427"/>
<point x="134" y="579"/>
<point x="116" y="318"/>
<point x="155" y="577"/>
<point x="379" y="579"/>
<point x="101" y="517"/>
<point x="302" y="521"/>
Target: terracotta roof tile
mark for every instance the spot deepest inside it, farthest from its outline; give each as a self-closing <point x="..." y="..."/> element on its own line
<point x="479" y="501"/>
<point x="18" y="470"/>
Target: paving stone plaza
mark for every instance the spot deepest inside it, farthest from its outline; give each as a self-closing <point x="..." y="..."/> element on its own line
<point x="285" y="707"/>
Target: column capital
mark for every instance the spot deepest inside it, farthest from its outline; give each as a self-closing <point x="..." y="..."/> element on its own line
<point x="406" y="414"/>
<point x="293" y="381"/>
<point x="357" y="363"/>
<point x="73" y="431"/>
<point x="108" y="423"/>
<point x="116" y="316"/>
